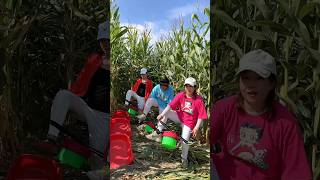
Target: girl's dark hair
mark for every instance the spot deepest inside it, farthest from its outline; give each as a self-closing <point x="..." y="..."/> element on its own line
<point x="271" y="98"/>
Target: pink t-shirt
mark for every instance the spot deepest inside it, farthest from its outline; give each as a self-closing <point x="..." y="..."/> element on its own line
<point x="255" y="147"/>
<point x="189" y="110"/>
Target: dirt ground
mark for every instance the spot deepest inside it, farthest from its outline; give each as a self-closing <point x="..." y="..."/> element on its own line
<point x="154" y="162"/>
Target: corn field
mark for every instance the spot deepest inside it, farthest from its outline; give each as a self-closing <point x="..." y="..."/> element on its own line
<point x="290" y="31"/>
<point x="43" y="44"/>
<point x="179" y="54"/>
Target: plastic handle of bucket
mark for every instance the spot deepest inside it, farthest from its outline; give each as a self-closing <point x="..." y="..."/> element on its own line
<point x="64" y="131"/>
<point x="164" y="124"/>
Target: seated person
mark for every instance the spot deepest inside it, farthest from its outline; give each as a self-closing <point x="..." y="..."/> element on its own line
<point x="141" y="89"/>
<point x="88" y="99"/>
<point x="161" y="95"/>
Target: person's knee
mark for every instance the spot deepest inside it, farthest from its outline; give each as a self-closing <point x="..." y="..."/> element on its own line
<point x="141" y="107"/>
<point x="129" y="92"/>
<point x="151" y="102"/>
<point x="63" y="94"/>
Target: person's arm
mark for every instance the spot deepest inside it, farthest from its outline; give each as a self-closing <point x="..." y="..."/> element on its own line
<point x="136" y="85"/>
<point x="201" y="116"/>
<point x="172" y="105"/>
<point x="294" y="164"/>
<point x="197" y="127"/>
<point x="153" y="93"/>
<point x="80" y="86"/>
<point x="216" y="126"/>
<point x="164" y="112"/>
<point x="199" y="124"/>
<point x="149" y="87"/>
<point x="171" y="96"/>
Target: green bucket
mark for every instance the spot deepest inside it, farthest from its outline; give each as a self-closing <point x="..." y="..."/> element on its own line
<point x="132" y="112"/>
<point x="71" y="158"/>
<point x="169" y="140"/>
<point x="149" y="129"/>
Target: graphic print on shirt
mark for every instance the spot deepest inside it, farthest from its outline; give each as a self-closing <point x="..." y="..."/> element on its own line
<point x="187" y="107"/>
<point x="162" y="96"/>
<point x="250" y="136"/>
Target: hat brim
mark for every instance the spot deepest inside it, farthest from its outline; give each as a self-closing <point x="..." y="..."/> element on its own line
<point x="193" y="85"/>
<point x="261" y="72"/>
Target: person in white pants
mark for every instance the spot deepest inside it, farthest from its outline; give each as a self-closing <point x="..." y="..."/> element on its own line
<point x="88" y="99"/>
<point x="161" y="95"/>
<point x="190" y="114"/>
<point x="141" y="90"/>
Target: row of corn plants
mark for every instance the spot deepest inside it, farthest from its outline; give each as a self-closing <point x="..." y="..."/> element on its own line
<point x="290" y="31"/>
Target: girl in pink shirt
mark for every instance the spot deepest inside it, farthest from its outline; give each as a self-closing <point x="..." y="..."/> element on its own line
<point x="259" y="138"/>
<point x="188" y="110"/>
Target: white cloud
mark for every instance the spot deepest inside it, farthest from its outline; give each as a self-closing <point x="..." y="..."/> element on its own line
<point x="157" y="29"/>
<point x="187" y="9"/>
<point x="181" y="11"/>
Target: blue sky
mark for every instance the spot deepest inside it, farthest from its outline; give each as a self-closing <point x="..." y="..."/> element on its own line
<point x="159" y="15"/>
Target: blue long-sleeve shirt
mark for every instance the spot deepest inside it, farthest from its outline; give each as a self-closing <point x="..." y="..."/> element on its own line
<point x="163" y="97"/>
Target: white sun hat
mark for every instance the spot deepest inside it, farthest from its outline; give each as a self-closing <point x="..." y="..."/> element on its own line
<point x="143" y="71"/>
<point x="191" y="81"/>
<point x="258" y="61"/>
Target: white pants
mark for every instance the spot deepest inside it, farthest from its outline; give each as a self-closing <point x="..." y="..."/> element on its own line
<point x="65" y="101"/>
<point x="151" y="102"/>
<point x="186" y="131"/>
<point x="140" y="99"/>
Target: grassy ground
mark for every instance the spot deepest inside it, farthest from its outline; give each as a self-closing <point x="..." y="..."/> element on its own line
<point x="154" y="162"/>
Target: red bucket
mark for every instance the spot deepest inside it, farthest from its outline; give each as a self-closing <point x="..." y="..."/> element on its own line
<point x="121" y="114"/>
<point x="35" y="167"/>
<point x="120" y="151"/>
<point x="121" y="128"/>
<point x="120" y="120"/>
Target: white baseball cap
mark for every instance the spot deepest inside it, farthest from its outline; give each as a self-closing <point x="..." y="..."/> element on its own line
<point x="191" y="81"/>
<point x="104" y="30"/>
<point x="143" y="71"/>
<point x="259" y="62"/>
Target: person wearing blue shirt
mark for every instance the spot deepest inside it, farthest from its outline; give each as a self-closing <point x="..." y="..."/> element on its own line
<point x="161" y="95"/>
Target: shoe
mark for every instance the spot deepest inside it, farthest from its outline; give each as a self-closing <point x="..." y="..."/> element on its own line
<point x="184" y="163"/>
<point x="141" y="117"/>
<point x="154" y="136"/>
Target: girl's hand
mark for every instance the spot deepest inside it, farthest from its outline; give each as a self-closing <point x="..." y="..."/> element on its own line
<point x="160" y="116"/>
<point x="194" y="132"/>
